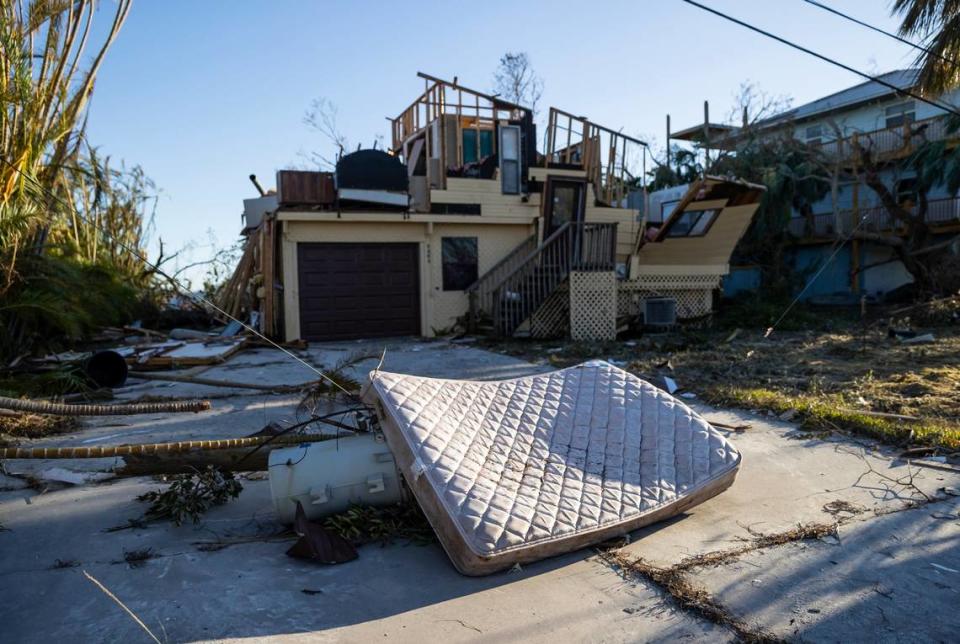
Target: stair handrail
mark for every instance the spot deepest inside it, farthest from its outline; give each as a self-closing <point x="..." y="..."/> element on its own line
<point x="504" y="292"/>
<point x="557" y="248"/>
<point x="521" y="248"/>
<point x="480" y="293"/>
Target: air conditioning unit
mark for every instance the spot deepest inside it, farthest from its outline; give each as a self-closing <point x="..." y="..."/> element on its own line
<point x="660" y="311"/>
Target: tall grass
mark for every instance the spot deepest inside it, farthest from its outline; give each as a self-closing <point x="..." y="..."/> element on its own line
<point x="71" y="227"/>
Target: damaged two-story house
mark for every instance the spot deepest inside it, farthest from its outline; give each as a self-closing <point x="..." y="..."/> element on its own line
<point x="463" y="221"/>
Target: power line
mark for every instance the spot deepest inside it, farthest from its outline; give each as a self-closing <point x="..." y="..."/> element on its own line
<point x="880" y="81"/>
<point x="175" y="283"/>
<point x="910" y="43"/>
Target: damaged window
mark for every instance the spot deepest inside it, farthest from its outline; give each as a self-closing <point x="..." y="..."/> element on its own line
<point x="692" y="223"/>
<point x="459" y="262"/>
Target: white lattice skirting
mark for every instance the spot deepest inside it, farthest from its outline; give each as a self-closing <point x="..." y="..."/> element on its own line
<point x="552" y="319"/>
<point x="582" y="309"/>
<point x="693" y="293"/>
<point x="593" y="305"/>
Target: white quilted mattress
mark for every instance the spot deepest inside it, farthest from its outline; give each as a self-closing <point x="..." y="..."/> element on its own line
<point x="516" y="470"/>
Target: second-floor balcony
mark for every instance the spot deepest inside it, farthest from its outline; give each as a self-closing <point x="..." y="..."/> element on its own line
<point x="889" y="143"/>
<point x="877" y="219"/>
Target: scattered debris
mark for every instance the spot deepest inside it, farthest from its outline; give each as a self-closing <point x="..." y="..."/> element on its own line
<point x="788" y="415"/>
<point x="918" y="452"/>
<point x="669" y="384"/>
<point x="803" y="532"/>
<point x="22" y="425"/>
<point x="131" y="524"/>
<point x="189" y="334"/>
<point x="59" y="564"/>
<point x="926" y="338"/>
<point x="944" y="568"/>
<point x="730" y="338"/>
<point x="62" y="475"/>
<point x="687" y="595"/>
<point x="137" y="558"/>
<point x="736" y="428"/>
<point x="210" y="382"/>
<point x="368" y="524"/>
<point x="310" y="591"/>
<point x="843" y="507"/>
<point x="689" y="395"/>
<point x="172" y="354"/>
<point x="190" y="495"/>
<point x="318" y="544"/>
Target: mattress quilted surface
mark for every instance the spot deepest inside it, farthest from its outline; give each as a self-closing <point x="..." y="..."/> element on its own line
<point x="517" y="463"/>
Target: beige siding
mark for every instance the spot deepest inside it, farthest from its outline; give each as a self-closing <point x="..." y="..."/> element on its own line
<point x="486" y="192"/>
<point x="712" y="249"/>
<point x="540" y="174"/>
<point x="438" y="308"/>
<point x="625" y="218"/>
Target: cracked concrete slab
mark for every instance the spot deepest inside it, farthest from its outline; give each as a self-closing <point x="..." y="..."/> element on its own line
<point x="787" y="477"/>
<point x="251" y="590"/>
<point x="893" y="577"/>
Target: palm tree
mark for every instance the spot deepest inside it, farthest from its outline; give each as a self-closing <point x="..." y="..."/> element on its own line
<point x="937" y="24"/>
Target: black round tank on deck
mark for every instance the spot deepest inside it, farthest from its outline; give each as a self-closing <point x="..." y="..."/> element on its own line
<point x="371" y="170"/>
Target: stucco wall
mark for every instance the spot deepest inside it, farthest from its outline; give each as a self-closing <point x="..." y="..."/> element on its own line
<point x="438" y="308"/>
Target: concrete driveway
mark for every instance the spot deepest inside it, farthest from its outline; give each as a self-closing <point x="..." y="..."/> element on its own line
<point x="886" y="567"/>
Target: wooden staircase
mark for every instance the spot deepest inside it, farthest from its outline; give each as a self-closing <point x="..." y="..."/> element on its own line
<point x="510" y="292"/>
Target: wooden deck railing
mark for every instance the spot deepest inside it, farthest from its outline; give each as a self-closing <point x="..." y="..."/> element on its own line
<point x="892" y="142"/>
<point x="940" y="212"/>
<point x="514" y="289"/>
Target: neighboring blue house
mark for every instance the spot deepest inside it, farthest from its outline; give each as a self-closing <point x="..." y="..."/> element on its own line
<point x="891" y="126"/>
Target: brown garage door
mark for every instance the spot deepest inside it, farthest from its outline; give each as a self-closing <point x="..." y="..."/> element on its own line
<point x="358" y="290"/>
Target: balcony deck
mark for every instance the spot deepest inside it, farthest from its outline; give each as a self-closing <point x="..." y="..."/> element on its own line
<point x="941" y="214"/>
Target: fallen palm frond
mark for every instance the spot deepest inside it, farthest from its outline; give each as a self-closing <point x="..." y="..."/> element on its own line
<point x="368" y="524"/>
<point x="336" y="380"/>
<point x="189" y="496"/>
<point x="687" y="595"/>
<point x="19" y="425"/>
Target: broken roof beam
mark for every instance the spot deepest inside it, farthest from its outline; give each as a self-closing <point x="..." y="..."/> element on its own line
<point x="433" y="103"/>
<point x="496" y="100"/>
<point x="585" y="120"/>
<point x="600" y="151"/>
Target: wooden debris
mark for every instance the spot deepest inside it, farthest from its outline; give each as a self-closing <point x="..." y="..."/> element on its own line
<point x="735" y="428"/>
<point x="210" y="382"/>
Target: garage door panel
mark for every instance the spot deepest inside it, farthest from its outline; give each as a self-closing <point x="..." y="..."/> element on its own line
<point x="350" y="290"/>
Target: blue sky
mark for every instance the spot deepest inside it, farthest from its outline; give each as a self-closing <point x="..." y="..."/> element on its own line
<point x="202" y="93"/>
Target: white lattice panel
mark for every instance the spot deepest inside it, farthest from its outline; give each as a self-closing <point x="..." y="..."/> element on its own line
<point x="552" y="319"/>
<point x="693" y="293"/>
<point x="593" y="305"/>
